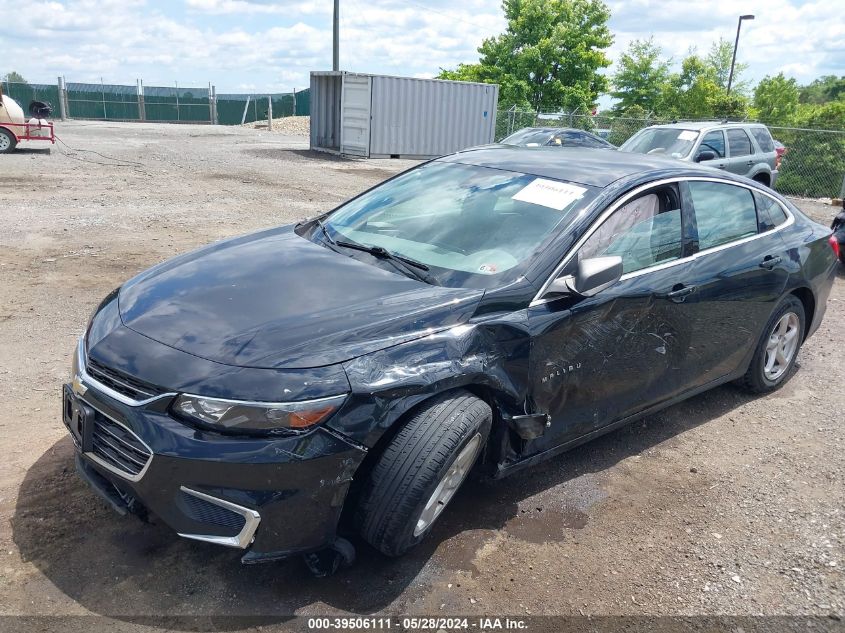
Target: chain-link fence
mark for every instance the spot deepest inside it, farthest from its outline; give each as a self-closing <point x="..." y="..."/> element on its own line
<point x="234" y="109"/>
<point x="116" y="102"/>
<point x="174" y="103"/>
<point x="101" y="101"/>
<point x="813" y="164"/>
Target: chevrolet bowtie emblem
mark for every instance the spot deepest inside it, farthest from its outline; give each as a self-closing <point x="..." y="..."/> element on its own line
<point x="78" y="388"/>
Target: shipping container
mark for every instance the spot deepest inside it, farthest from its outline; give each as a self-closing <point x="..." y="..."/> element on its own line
<point x="380" y="116"/>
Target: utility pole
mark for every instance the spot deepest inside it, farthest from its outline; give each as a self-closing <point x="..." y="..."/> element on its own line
<point x="736" y="44"/>
<point x="336" y="37"/>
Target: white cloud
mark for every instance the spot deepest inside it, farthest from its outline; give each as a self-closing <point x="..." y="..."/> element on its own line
<point x="782" y="31"/>
<point x="273" y="45"/>
<point x="242" y="7"/>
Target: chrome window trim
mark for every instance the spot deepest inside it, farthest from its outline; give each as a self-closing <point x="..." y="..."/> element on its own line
<point x="790" y="219"/>
<point x="101" y="462"/>
<point x="88" y="380"/>
<point x="242" y="539"/>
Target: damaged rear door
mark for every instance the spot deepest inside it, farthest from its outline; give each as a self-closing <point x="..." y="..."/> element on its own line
<point x="599" y="359"/>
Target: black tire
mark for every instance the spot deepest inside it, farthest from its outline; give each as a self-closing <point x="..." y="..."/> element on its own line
<point x="763" y="179"/>
<point x="755" y="379"/>
<point x="8" y="141"/>
<point x="413" y="464"/>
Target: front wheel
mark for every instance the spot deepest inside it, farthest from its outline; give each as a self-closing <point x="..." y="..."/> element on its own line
<point x="778" y="347"/>
<point x="7" y="141"/>
<point x="421" y="469"/>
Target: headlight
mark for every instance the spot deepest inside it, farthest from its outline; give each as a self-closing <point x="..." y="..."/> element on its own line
<point x="256" y="417"/>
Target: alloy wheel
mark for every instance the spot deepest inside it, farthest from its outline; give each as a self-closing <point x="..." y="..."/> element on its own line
<point x="781" y="346"/>
<point x="448" y="485"/>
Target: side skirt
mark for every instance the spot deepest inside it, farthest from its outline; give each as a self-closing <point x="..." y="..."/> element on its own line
<point x="504" y="470"/>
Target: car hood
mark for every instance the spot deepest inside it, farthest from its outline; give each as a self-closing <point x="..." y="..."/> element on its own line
<point x="277" y="300"/>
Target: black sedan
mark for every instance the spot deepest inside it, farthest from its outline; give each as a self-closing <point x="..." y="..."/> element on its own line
<point x="556" y="137"/>
<point x="485" y="310"/>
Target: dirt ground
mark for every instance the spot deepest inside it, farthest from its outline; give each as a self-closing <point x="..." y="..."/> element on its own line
<point x="725" y="504"/>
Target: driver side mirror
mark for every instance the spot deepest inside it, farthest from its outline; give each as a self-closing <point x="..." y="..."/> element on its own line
<point x="591" y="277"/>
<point x="705" y="155"/>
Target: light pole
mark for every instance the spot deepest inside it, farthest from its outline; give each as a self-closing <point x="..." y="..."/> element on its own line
<point x="736" y="43"/>
<point x="336" y="37"/>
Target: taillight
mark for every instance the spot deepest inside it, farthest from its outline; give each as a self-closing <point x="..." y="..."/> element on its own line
<point x="834" y="244"/>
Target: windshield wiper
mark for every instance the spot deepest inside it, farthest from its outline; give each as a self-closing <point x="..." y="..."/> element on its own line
<point x="411" y="266"/>
<point x="325" y="231"/>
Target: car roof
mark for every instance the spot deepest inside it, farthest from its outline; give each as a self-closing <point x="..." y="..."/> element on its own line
<point x="551" y="130"/>
<point x="586" y="166"/>
<point x="704" y="125"/>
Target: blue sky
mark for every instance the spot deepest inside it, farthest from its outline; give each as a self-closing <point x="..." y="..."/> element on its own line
<point x="263" y="45"/>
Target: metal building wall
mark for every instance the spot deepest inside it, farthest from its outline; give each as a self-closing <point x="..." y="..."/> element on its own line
<point x="425" y="118"/>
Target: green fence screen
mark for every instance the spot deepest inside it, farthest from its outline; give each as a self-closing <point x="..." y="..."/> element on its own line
<point x="230" y="107"/>
<point x="166" y="103"/>
<point x="25" y="93"/>
<point x="102" y="101"/>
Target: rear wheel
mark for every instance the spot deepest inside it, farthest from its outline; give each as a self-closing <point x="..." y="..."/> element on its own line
<point x="778" y="347"/>
<point x="763" y="179"/>
<point x="7" y="141"/>
<point x="420" y="471"/>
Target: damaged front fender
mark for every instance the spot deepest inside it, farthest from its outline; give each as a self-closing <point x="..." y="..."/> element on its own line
<point x="490" y="354"/>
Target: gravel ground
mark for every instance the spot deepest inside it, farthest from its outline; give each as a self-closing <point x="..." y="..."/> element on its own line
<point x="724" y="504"/>
<point x="289" y="125"/>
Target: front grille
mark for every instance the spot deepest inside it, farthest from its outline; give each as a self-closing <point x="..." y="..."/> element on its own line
<point x="204" y="511"/>
<point x="118" y="446"/>
<point x="120" y="382"/>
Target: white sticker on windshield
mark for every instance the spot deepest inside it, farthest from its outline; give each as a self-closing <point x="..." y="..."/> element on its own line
<point x="549" y="193"/>
<point x="687" y="135"/>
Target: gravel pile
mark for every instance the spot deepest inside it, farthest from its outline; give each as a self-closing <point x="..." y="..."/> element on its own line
<point x="290" y="125"/>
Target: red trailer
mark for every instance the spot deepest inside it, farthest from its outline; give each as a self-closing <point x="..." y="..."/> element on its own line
<point x="14" y="127"/>
<point x="12" y="133"/>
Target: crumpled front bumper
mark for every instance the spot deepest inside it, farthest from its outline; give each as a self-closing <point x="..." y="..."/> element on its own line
<point x="274" y="496"/>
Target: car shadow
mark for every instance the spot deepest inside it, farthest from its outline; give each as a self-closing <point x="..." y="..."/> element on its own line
<point x="32" y="150"/>
<point x="124" y="569"/>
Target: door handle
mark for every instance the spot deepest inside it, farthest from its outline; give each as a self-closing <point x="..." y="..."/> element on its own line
<point x="749" y="163"/>
<point x="721" y="165"/>
<point x="770" y="261"/>
<point x="681" y="293"/>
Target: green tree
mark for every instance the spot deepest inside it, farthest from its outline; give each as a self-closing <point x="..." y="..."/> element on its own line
<point x="549" y="56"/>
<point x="719" y="61"/>
<point x="641" y="77"/>
<point x="776" y="99"/>
<point x="815" y="162"/>
<point x="695" y="93"/>
<point x="14" y="77"/>
<point x="824" y="89"/>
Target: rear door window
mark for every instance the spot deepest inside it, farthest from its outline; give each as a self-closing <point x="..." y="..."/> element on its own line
<point x="770" y="213"/>
<point x="763" y="138"/>
<point x="724" y="213"/>
<point x="739" y="142"/>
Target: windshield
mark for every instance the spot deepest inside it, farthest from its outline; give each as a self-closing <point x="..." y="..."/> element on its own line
<point x="528" y="137"/>
<point x="471" y="226"/>
<point x="673" y="142"/>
